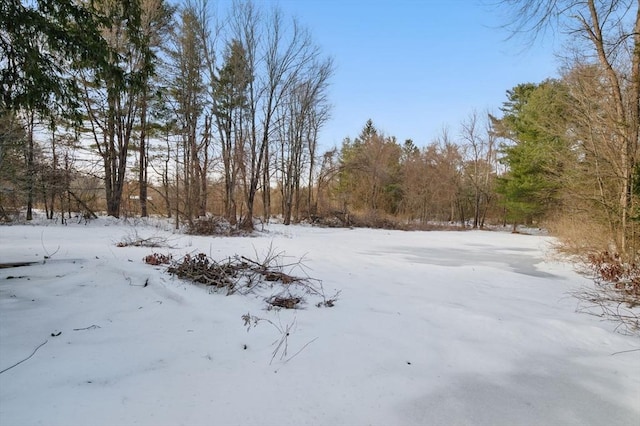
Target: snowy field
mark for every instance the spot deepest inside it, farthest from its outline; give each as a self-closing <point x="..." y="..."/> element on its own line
<point x="430" y="328"/>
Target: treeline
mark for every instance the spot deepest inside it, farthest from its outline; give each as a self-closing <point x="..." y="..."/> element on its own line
<point x="187" y="113"/>
<point x="172" y="100"/>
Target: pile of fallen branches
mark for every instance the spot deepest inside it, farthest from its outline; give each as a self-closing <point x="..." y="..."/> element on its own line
<point x="616" y="295"/>
<point x="135" y="240"/>
<point x="241" y="275"/>
<point x="204" y="270"/>
<point x="214" y="225"/>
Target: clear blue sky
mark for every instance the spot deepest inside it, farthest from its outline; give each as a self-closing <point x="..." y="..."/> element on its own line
<point x="415" y="66"/>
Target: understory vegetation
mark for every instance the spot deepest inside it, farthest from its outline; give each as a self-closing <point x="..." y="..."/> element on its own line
<point x="616" y="294"/>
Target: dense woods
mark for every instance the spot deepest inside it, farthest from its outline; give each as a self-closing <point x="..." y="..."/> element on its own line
<point x="141" y="107"/>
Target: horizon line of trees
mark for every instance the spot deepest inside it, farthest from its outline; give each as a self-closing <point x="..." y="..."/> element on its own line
<point x="222" y="115"/>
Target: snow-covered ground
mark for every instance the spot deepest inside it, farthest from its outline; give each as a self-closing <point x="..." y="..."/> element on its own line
<point x="430" y="328"/>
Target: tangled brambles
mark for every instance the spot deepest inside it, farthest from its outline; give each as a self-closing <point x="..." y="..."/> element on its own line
<point x="616" y="295"/>
<point x="624" y="277"/>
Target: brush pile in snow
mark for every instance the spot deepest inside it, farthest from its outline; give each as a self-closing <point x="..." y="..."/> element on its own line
<point x="241" y="275"/>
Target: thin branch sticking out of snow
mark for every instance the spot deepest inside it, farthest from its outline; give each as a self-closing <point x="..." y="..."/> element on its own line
<point x="20" y="362"/>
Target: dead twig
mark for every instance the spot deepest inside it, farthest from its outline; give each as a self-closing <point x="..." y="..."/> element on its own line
<point x="259" y="265"/>
<point x="146" y="283"/>
<point x="47" y="254"/>
<point x="610" y="305"/>
<point x="300" y="350"/>
<point x="20" y="362"/>
<point x="624" y="352"/>
<point x="91" y="327"/>
<point x="282" y="343"/>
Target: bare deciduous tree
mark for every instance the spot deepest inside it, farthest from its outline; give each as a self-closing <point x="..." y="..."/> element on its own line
<point x="299" y="117"/>
<point x="479" y="143"/>
<point x="606" y="34"/>
<point x="277" y="53"/>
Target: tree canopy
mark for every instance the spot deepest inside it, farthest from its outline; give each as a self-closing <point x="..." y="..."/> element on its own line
<point x="41" y="42"/>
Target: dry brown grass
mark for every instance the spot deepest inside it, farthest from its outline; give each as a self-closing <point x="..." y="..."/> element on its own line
<point x="579" y="237"/>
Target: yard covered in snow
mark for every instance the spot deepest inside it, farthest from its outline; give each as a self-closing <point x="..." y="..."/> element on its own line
<point x="429" y="328"/>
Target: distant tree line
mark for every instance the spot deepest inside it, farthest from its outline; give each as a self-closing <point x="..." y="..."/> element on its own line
<point x="186" y="113"/>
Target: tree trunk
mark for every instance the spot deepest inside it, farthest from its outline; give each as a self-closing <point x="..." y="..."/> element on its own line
<point x="30" y="167"/>
<point x="142" y="176"/>
<point x="203" y="192"/>
<point x="628" y="133"/>
<point x="110" y="172"/>
<point x="266" y="184"/>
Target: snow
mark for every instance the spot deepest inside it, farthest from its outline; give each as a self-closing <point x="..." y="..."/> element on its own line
<point x="430" y="328"/>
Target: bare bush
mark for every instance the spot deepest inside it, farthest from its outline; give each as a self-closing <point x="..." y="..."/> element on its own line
<point x="213" y="225"/>
<point x="377" y="220"/>
<point x="374" y="219"/>
<point x="616" y="295"/>
<point x="610" y="269"/>
<point x="607" y="304"/>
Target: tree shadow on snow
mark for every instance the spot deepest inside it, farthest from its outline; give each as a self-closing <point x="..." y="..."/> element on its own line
<point x="558" y="394"/>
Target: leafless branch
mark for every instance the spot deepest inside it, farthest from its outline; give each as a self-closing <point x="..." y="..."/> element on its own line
<point x="282" y="343"/>
<point x="91" y="327"/>
<point x="624" y="352"/>
<point x="611" y="306"/>
<point x="47" y="255"/>
<point x="20" y="362"/>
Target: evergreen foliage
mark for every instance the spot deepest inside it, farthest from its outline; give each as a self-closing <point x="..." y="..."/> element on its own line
<point x="41" y="43"/>
<point x="533" y="123"/>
